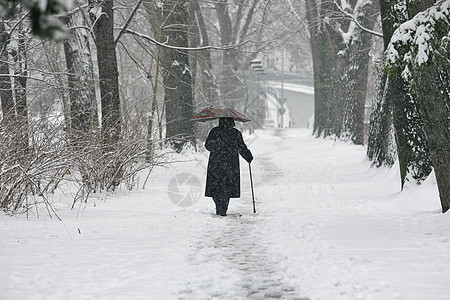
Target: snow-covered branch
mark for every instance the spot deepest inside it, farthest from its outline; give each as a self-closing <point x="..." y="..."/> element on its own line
<point x="352" y="18"/>
<point x="165" y="45"/>
<point x="419" y="38"/>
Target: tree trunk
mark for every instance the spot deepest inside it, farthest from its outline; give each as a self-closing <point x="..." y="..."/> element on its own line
<point x="412" y="149"/>
<point x="102" y="17"/>
<point x="432" y="90"/>
<point x="83" y="104"/>
<point x="381" y="143"/>
<point x="434" y="97"/>
<point x="177" y="76"/>
<point x="208" y="91"/>
<point x="234" y="27"/>
<point x="230" y="87"/>
<point x="20" y="82"/>
<point x="325" y="61"/>
<point x="356" y="74"/>
<point x="6" y="93"/>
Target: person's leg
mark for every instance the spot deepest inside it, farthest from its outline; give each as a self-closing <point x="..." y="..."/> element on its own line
<point x="226" y="201"/>
<point x="223" y="201"/>
<point x="217" y="204"/>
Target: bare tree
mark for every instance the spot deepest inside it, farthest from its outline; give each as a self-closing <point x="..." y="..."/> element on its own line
<point x="83" y="104"/>
<point x="20" y="84"/>
<point x="199" y="37"/>
<point x="234" y="27"/>
<point x="177" y="76"/>
<point x="6" y="93"/>
<point x="340" y="43"/>
<point x="102" y="17"/>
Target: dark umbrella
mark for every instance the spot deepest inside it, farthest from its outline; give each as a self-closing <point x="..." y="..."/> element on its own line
<point x="216" y="113"/>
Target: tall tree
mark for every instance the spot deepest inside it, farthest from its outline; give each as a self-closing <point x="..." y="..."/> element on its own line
<point x="323" y="43"/>
<point x="20" y="85"/>
<point x="234" y="28"/>
<point x="177" y="76"/>
<point x="356" y="69"/>
<point x="199" y="37"/>
<point x="340" y="45"/>
<point x="419" y="52"/>
<point x="6" y="92"/>
<point x="411" y="143"/>
<point x="83" y="105"/>
<point x="102" y="16"/>
<point x="381" y="148"/>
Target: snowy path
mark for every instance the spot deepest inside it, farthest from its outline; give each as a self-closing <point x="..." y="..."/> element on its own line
<point x="328" y="227"/>
<point x="321" y="231"/>
<point x="240" y="246"/>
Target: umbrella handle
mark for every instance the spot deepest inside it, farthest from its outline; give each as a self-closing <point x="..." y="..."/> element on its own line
<point x="251" y="183"/>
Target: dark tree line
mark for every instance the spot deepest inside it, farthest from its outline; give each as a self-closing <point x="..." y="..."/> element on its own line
<point x="110" y="125"/>
<point x="410" y="112"/>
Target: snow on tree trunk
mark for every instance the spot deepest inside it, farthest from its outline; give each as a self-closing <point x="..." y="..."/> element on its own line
<point x="412" y="148"/>
<point x="101" y="13"/>
<point x="340" y="61"/>
<point x="177" y="76"/>
<point x="419" y="51"/>
<point x="381" y="144"/>
<point x="381" y="148"/>
<point x="358" y="42"/>
<point x="83" y="104"/>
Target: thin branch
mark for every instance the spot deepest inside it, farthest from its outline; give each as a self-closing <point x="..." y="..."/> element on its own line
<point x="125" y="26"/>
<point x="12" y="30"/>
<point x="73" y="11"/>
<point x="353" y="19"/>
<point x="301" y="20"/>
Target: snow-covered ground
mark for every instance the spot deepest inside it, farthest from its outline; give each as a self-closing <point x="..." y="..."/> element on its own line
<point x="328" y="227"/>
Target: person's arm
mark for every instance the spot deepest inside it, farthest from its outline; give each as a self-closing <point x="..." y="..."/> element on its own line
<point x="242" y="148"/>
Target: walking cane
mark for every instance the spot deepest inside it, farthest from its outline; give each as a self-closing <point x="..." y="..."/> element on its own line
<point x="253" y="193"/>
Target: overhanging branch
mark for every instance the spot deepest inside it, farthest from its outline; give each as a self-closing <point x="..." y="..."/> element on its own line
<point x="353" y="19"/>
<point x="165" y="45"/>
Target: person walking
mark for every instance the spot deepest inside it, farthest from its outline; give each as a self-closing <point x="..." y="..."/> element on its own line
<point x="225" y="143"/>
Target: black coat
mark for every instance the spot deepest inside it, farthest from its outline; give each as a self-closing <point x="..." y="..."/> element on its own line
<point x="225" y="143"/>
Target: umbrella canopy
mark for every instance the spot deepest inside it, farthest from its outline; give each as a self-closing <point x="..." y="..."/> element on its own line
<point x="216" y="113"/>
